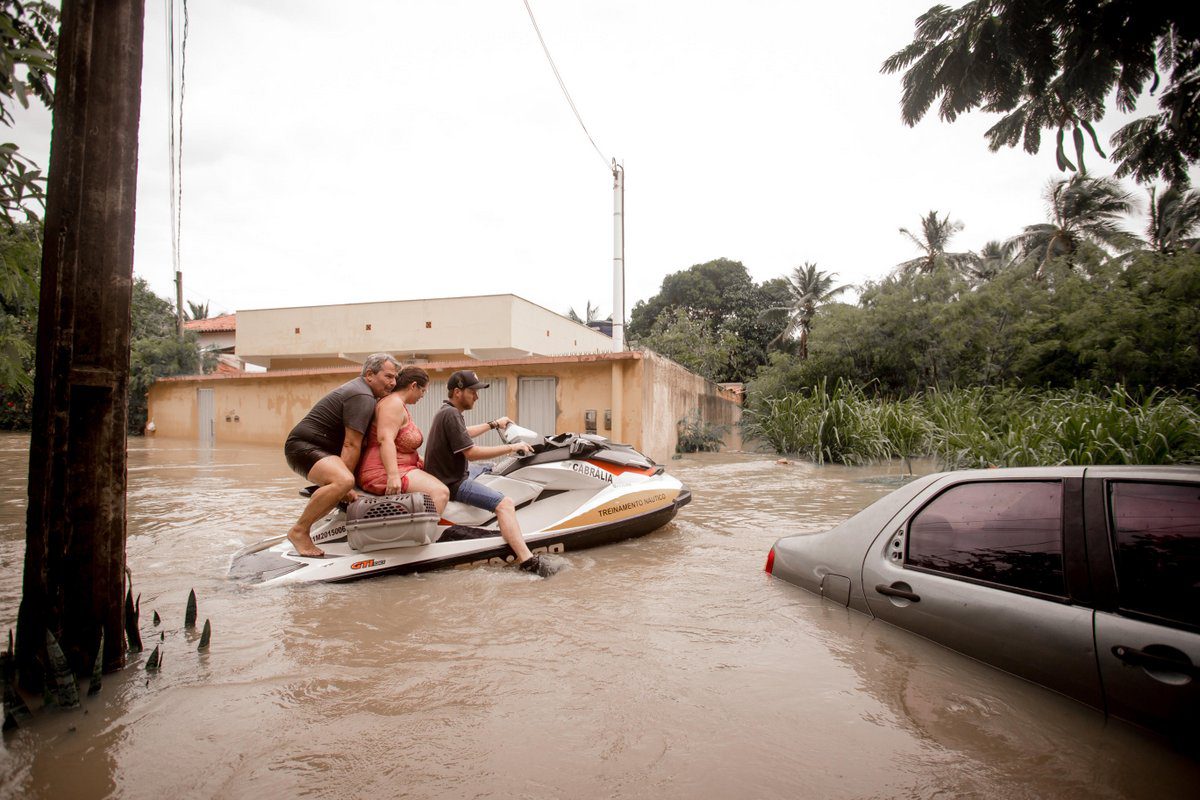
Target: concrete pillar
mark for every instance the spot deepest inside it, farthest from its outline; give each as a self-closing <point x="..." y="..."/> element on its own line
<point x="618" y="401"/>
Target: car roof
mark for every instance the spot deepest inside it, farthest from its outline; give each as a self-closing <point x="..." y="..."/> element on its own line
<point x="1180" y="471"/>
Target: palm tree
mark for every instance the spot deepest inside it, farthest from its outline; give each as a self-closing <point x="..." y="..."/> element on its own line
<point x="933" y="240"/>
<point x="1082" y="209"/>
<point x="593" y="314"/>
<point x="1174" y="220"/>
<point x="809" y="288"/>
<point x="199" y="310"/>
<point x="990" y="261"/>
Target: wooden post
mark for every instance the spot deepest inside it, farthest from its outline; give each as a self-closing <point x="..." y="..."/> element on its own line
<point x="75" y="525"/>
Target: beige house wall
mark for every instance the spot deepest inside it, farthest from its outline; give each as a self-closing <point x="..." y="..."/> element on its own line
<point x="492" y="326"/>
<point x="646" y="393"/>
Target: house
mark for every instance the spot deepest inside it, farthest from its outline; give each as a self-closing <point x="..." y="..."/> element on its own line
<point x="547" y="372"/>
<point x="480" y="327"/>
<point x="218" y="335"/>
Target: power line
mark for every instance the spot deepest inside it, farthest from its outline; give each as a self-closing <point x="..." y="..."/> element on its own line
<point x="175" y="140"/>
<point x="562" y="85"/>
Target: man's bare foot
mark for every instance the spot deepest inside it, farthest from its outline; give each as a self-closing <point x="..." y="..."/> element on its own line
<point x="303" y="543"/>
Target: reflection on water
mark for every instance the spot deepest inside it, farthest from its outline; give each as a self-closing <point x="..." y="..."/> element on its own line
<point x="668" y="666"/>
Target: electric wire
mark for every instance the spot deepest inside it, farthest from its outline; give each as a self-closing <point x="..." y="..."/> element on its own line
<point x="562" y="84"/>
<point x="175" y="136"/>
<point x="182" y="91"/>
<point x="170" y="4"/>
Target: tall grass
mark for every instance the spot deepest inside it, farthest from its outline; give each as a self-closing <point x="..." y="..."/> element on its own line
<point x="980" y="427"/>
<point x="839" y="425"/>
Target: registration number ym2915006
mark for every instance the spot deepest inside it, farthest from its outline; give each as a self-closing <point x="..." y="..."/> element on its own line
<point x="500" y="561"/>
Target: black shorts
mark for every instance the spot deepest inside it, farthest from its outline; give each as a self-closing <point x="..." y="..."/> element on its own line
<point x="302" y="456"/>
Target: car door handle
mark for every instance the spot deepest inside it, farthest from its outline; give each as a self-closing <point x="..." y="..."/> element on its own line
<point x="1140" y="658"/>
<point x="892" y="591"/>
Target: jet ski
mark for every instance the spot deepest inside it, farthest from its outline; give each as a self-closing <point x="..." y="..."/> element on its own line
<point x="574" y="491"/>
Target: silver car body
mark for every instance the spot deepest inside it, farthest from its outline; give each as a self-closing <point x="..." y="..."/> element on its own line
<point x="1070" y="606"/>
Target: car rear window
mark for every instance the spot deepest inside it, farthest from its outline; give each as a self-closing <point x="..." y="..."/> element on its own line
<point x="1156" y="542"/>
<point x="1002" y="532"/>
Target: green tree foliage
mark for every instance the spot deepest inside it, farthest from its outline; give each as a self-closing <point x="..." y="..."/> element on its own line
<point x="1131" y="321"/>
<point x="809" y="290"/>
<point x="197" y="310"/>
<point x="1083" y="210"/>
<point x="28" y="42"/>
<point x="993" y="258"/>
<point x="20" y="267"/>
<point x="155" y="350"/>
<point x="933" y="241"/>
<point x="692" y="343"/>
<point x="592" y="314"/>
<point x="1174" y="220"/>
<point x="1051" y="66"/>
<point x="725" y="303"/>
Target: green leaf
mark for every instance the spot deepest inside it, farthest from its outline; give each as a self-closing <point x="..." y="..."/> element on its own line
<point x="154" y="662"/>
<point x="132" y="635"/>
<point x="67" y="694"/>
<point x="205" y="637"/>
<point x="189" y="617"/>
<point x="1087" y="126"/>
<point x="97" y="667"/>
<point x="1060" y="155"/>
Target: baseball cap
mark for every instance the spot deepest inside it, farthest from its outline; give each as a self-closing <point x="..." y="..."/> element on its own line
<point x="465" y="379"/>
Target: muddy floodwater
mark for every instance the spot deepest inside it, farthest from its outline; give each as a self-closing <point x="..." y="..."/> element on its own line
<point x="669" y="666"/>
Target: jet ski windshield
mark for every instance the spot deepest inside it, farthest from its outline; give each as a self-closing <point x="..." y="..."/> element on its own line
<point x="567" y="446"/>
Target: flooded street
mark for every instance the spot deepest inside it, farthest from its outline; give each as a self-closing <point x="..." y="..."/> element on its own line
<point x="669" y="666"/>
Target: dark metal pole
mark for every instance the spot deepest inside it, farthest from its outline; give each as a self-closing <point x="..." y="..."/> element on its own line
<point x="75" y="526"/>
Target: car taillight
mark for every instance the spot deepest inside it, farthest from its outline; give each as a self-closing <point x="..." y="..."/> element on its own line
<point x="770" y="566"/>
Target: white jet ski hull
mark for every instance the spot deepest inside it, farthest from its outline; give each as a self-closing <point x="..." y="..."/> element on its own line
<point x="563" y="505"/>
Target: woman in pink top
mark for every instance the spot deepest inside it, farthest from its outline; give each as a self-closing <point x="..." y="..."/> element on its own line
<point x="390" y="464"/>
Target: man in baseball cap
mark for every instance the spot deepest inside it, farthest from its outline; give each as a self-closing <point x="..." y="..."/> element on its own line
<point x="451" y="446"/>
<point x="465" y="379"/>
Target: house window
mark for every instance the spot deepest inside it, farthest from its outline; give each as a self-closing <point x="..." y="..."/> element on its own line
<point x="428" y="324"/>
<point x="297" y="330"/>
<point x="999" y="532"/>
<point x="368" y="326"/>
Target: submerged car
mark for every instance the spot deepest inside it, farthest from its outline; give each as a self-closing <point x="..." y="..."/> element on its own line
<point x="1083" y="579"/>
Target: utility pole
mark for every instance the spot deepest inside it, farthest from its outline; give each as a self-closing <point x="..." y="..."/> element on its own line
<point x="173" y="153"/>
<point x="618" y="328"/>
<point x="75" y="525"/>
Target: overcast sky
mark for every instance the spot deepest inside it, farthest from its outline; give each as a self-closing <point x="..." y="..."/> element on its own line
<point x="393" y="150"/>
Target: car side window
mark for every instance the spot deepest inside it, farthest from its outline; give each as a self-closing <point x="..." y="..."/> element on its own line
<point x="1002" y="532"/>
<point x="1156" y="545"/>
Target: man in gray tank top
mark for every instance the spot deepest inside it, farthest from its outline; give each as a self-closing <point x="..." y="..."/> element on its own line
<point x="324" y="446"/>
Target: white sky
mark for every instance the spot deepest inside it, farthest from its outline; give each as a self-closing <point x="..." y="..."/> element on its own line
<point x="393" y="149"/>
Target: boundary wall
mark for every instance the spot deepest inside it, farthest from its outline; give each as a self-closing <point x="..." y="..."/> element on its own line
<point x="641" y="395"/>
